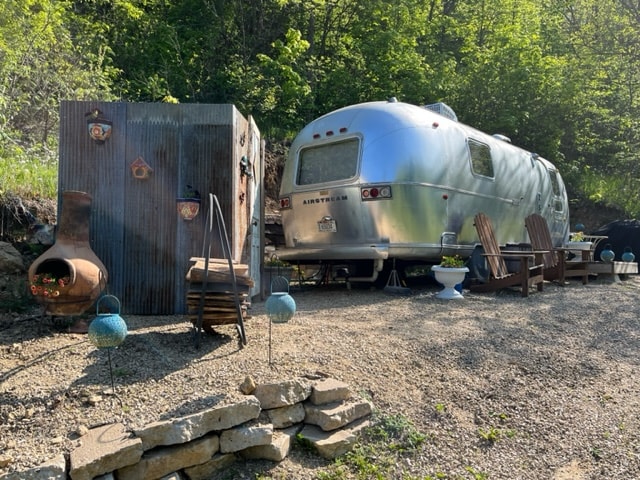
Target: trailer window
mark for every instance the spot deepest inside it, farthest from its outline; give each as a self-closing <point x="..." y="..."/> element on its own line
<point x="555" y="186"/>
<point x="481" y="162"/>
<point x="328" y="163"/>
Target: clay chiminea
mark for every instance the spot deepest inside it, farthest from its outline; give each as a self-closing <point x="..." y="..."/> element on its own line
<point x="69" y="276"/>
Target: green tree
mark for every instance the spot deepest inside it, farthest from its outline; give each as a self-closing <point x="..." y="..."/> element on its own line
<point x="40" y="65"/>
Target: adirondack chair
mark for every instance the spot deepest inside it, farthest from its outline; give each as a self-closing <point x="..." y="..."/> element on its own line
<point x="499" y="276"/>
<point x="556" y="266"/>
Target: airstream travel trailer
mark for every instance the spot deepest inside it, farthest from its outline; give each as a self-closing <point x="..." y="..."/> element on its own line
<point x="382" y="181"/>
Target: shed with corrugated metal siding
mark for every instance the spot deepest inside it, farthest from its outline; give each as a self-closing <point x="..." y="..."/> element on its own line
<point x="135" y="227"/>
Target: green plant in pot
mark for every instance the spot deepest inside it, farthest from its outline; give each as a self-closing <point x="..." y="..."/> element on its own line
<point x="577" y="237"/>
<point x="453" y="261"/>
<point x="450" y="272"/>
<point x="274" y="261"/>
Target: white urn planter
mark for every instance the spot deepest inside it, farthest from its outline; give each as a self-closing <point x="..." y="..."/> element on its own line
<point x="577" y="248"/>
<point x="449" y="277"/>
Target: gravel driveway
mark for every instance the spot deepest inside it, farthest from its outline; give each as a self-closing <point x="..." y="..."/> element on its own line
<point x="504" y="387"/>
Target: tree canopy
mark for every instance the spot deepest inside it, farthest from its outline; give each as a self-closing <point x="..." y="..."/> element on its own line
<point x="560" y="77"/>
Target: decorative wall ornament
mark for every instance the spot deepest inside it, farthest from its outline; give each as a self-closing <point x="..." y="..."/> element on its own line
<point x="99" y="127"/>
<point x="140" y="169"/>
<point x="188" y="203"/>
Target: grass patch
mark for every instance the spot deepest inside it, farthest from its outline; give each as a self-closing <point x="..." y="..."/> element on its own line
<point x="379" y="453"/>
<point x="28" y="172"/>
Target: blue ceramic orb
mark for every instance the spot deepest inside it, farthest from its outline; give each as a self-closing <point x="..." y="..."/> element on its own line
<point x="107" y="331"/>
<point x="280" y="307"/>
<point x="628" y="255"/>
<point x="607" y="255"/>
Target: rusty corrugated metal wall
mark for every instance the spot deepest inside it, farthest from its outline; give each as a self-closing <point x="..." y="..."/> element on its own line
<point x="135" y="228"/>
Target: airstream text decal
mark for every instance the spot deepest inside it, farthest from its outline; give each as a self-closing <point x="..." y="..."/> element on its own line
<point x="313" y="201"/>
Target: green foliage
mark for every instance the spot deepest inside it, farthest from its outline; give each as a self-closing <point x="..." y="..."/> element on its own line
<point x="454" y="261"/>
<point x="476" y="475"/>
<point x="377" y="455"/>
<point x="562" y="85"/>
<point x="27" y="171"/>
<point x="491" y="435"/>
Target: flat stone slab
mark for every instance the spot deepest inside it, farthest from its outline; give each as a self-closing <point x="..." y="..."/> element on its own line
<point x="207" y="470"/>
<point x="164" y="460"/>
<point x="329" y="390"/>
<point x="228" y="413"/>
<point x="331" y="445"/>
<point x="281" y="394"/>
<point x="103" y="450"/>
<point x="52" y="469"/>
<point x="336" y="415"/>
<point x="277" y="450"/>
<point x="245" y="436"/>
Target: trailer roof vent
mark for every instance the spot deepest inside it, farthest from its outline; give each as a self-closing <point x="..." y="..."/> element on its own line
<point x="504" y="138"/>
<point x="443" y="109"/>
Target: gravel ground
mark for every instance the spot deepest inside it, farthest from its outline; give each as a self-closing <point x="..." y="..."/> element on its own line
<point x="504" y="387"/>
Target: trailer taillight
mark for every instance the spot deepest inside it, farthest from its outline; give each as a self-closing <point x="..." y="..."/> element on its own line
<point x="375" y="193"/>
<point x="285" y="202"/>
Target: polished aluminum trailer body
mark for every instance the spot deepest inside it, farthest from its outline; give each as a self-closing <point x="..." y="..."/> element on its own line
<point x="389" y="180"/>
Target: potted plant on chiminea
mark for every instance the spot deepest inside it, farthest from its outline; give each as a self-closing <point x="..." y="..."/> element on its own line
<point x="188" y="203"/>
<point x="450" y="272"/>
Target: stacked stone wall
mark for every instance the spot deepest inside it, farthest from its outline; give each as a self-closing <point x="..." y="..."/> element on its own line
<point x="262" y="422"/>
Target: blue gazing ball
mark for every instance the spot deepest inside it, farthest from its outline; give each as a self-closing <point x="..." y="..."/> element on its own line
<point x="607" y="255"/>
<point x="107" y="331"/>
<point x="280" y="307"/>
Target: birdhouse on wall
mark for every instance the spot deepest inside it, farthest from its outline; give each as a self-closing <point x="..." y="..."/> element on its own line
<point x="140" y="169"/>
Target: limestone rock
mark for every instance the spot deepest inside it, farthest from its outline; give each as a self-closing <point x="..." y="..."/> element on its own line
<point x="10" y="259"/>
<point x="53" y="469"/>
<point x="245" y="436"/>
<point x="331" y="445"/>
<point x="335" y="415"/>
<point x="288" y="392"/>
<point x="275" y="451"/>
<point x="329" y="390"/>
<point x="162" y="461"/>
<point x="229" y="413"/>
<point x="106" y="476"/>
<point x="104" y="449"/>
<point x="206" y="470"/>
<point x="284" y="417"/>
<point x="248" y="385"/>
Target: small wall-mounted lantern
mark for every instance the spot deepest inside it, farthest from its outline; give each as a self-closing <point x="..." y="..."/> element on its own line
<point x="99" y="127"/>
<point x="140" y="169"/>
